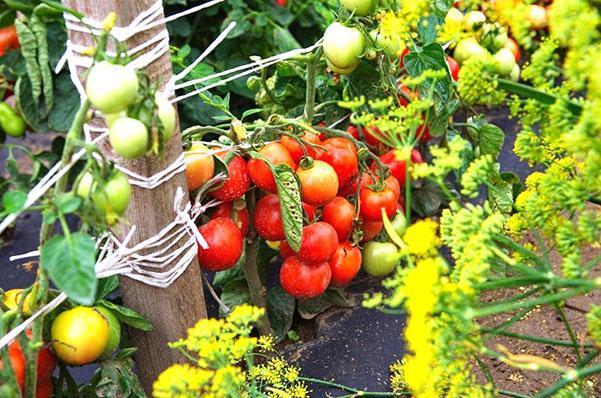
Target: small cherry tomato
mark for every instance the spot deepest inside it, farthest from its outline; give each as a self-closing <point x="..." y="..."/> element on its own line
<point x="301" y="279"/>
<point x="372" y="203"/>
<point x="339" y="213"/>
<point x="514" y="47"/>
<point x="9" y="40"/>
<point x="319" y="183"/>
<point x="200" y="166"/>
<point x="225" y="244"/>
<point x="453" y="68"/>
<point x="390" y="181"/>
<point x="237" y="182"/>
<point x="341" y="154"/>
<point x="398" y="168"/>
<point x="370" y="230"/>
<point x="345" y="264"/>
<point x="342" y="47"/>
<point x="239" y="216"/>
<point x="295" y="148"/>
<point x="259" y="170"/>
<point x="268" y="218"/>
<point x="111" y="88"/>
<point x="128" y="137"/>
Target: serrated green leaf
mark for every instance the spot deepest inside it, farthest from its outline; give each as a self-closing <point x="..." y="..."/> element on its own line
<point x="128" y="316"/>
<point x="68" y="203"/>
<point x="490" y="140"/>
<point x="291" y="206"/>
<point x="280" y="309"/>
<point x="70" y="263"/>
<point x="310" y="308"/>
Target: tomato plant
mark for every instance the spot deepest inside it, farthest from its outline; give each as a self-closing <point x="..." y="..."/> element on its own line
<point x="340" y="213"/>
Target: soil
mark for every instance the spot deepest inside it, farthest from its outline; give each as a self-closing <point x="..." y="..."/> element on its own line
<point x="542" y="322"/>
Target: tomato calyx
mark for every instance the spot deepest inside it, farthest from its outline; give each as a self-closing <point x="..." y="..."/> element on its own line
<point x="306" y="163"/>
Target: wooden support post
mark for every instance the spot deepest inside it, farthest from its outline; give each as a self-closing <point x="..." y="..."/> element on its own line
<point x="173" y="310"/>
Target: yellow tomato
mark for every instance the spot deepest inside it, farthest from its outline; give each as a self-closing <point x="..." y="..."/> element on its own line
<point x="80" y="335"/>
<point x="12" y="298"/>
<point x="200" y="166"/>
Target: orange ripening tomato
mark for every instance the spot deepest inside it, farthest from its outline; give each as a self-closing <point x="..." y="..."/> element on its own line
<point x="200" y="165"/>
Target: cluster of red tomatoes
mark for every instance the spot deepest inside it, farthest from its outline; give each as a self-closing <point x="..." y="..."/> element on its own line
<point x="342" y="206"/>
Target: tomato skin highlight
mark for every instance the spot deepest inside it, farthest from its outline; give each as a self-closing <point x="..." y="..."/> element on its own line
<point x="301" y="279"/>
<point x="259" y="170"/>
<point x="340" y="214"/>
<point x="237" y="182"/>
<point x="319" y="183"/>
<point x="345" y="264"/>
<point x="296" y="150"/>
<point x="268" y="218"/>
<point x="225" y="244"/>
<point x="79" y="335"/>
<point x="200" y="166"/>
<point x="239" y="216"/>
<point x="341" y="154"/>
<point x="373" y="201"/>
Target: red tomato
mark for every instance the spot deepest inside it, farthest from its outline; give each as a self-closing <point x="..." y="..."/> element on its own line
<point x="403" y="54"/>
<point x="310" y="211"/>
<point x="8" y="39"/>
<point x="345" y="264"/>
<point x="259" y="171"/>
<point x="370" y="229"/>
<point x="225" y="244"/>
<point x="237" y="182"/>
<point x="372" y="202"/>
<point x="339" y="213"/>
<point x="371" y="133"/>
<point x="318" y="244"/>
<point x="423" y="133"/>
<point x="412" y="95"/>
<point x="319" y="183"/>
<point x="304" y="280"/>
<point x="453" y="68"/>
<point x="352" y="130"/>
<point x="341" y="154"/>
<point x="268" y="218"/>
<point x="239" y="217"/>
<point x="513" y="46"/>
<point x="390" y="181"/>
<point x="44" y="389"/>
<point x="350" y="188"/>
<point x="398" y="168"/>
<point x="296" y="150"/>
<point x="45" y="366"/>
<point x="281" y="3"/>
<point x="285" y="250"/>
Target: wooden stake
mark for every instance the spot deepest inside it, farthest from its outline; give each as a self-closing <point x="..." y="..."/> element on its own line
<point x="173" y="310"/>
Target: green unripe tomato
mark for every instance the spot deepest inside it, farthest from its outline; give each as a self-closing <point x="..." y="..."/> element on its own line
<point x="128" y="137"/>
<point x="114" y="332"/>
<point x="515" y="73"/>
<point x="342" y="45"/>
<point x="84" y="187"/>
<point x="380" y="258"/>
<point x="473" y="19"/>
<point x="10" y="122"/>
<point x="500" y="39"/>
<point x="468" y="48"/>
<point x="111" y="117"/>
<point x="506" y="61"/>
<point x="361" y="8"/>
<point x="166" y="113"/>
<point x="113" y="198"/>
<point x="253" y="83"/>
<point x="111" y="88"/>
<point x="341" y="71"/>
<point x="391" y="47"/>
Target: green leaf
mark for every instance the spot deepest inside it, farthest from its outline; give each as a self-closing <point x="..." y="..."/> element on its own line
<point x="70" y="263"/>
<point x="68" y="202"/>
<point x="290" y="204"/>
<point x="116" y="378"/>
<point x="106" y="286"/>
<point x="514" y="180"/>
<point x="430" y="57"/>
<point x="128" y="316"/>
<point x="250" y="112"/>
<point x="427" y="28"/>
<point x="284" y="39"/>
<point x="293" y="335"/>
<point x="500" y="195"/>
<point x="310" y="308"/>
<point x="13" y="201"/>
<point x="490" y="140"/>
<point x="29" y="46"/>
<point x="280" y="309"/>
<point x="38" y="27"/>
<point x="234" y="293"/>
<point x="426" y="199"/>
<point x="236" y="273"/>
<point x="66" y="104"/>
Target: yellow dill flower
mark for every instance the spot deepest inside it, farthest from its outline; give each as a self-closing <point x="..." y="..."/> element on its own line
<point x="181" y="381"/>
<point x="266" y="343"/>
<point x="422" y="237"/>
